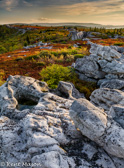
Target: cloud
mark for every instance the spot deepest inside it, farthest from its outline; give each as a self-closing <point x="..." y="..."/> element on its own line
<point x="11" y="4"/>
<point x="28" y="4"/>
<point x="8" y="4"/>
<point x="93" y="7"/>
<point x="97" y="11"/>
<point x="78" y="6"/>
<point x="44" y="20"/>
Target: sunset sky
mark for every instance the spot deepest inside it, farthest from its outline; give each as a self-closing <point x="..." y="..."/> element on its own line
<point x="56" y="11"/>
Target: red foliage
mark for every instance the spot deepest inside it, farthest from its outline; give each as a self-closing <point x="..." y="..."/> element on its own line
<point x="109" y="41"/>
<point x="12" y="66"/>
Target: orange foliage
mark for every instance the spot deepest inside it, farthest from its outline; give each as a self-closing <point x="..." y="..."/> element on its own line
<point x="109" y="41"/>
<point x="12" y="66"/>
<point x="33" y="27"/>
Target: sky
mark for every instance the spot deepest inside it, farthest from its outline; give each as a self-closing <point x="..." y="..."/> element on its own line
<point x="107" y="12"/>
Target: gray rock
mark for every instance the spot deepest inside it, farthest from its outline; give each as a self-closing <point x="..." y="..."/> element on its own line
<point x="75" y="35"/>
<point x="67" y="90"/>
<point x="112" y="84"/>
<point x="75" y="45"/>
<point x="88" y="118"/>
<point x="104" y="63"/>
<point x="105" y="97"/>
<point x="111" y="76"/>
<point x="89" y="67"/>
<point x="117" y="48"/>
<point x="85" y="78"/>
<point x="105" y="52"/>
<point x="19" y="87"/>
<point x="97" y="126"/>
<point x="45" y="136"/>
<point x="114" y="67"/>
<point x="117" y="113"/>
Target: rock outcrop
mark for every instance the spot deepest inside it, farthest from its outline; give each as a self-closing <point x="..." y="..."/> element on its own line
<point x="106" y="97"/>
<point x="75" y="35"/>
<point x="104" y="65"/>
<point x="97" y="126"/>
<point x="45" y="136"/>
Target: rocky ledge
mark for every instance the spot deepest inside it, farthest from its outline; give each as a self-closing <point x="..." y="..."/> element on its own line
<point x="104" y="65"/>
<point x="60" y="129"/>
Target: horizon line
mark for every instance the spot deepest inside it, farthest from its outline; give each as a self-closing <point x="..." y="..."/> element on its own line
<point x="60" y="23"/>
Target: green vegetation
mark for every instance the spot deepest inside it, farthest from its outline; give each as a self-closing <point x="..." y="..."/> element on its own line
<point x="52" y="64"/>
<point x="55" y="73"/>
<point x="76" y="56"/>
<point x="119" y="44"/>
<point x="64" y="54"/>
<point x="103" y="30"/>
<point x="35" y="57"/>
<point x="13" y="39"/>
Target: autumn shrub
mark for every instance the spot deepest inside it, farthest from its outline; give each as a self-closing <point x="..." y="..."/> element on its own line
<point x="2" y="50"/>
<point x="55" y="73"/>
<point x="70" y="47"/>
<point x="1" y="77"/>
<point x="85" y="87"/>
<point x="55" y="53"/>
<point x="45" y="54"/>
<point x="119" y="44"/>
<point x="68" y="60"/>
<point x="73" y="51"/>
<point x="33" y="57"/>
<point x="41" y="63"/>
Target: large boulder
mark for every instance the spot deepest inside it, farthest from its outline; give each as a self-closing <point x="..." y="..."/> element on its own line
<point x="114" y="67"/>
<point x="97" y="126"/>
<point x="89" y="67"/>
<point x="20" y="87"/>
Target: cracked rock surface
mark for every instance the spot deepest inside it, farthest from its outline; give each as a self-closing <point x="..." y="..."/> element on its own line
<point x="46" y="134"/>
<point x="97" y="126"/>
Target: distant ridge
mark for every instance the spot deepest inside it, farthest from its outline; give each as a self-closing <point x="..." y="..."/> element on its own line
<point x="74" y="24"/>
<point x="79" y="24"/>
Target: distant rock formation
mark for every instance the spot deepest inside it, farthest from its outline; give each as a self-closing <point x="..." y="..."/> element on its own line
<point x="75" y="35"/>
<point x="39" y="44"/>
<point x="45" y="136"/>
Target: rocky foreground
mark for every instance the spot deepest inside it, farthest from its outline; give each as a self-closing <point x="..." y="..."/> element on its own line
<point x="62" y="130"/>
<point x="44" y="128"/>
